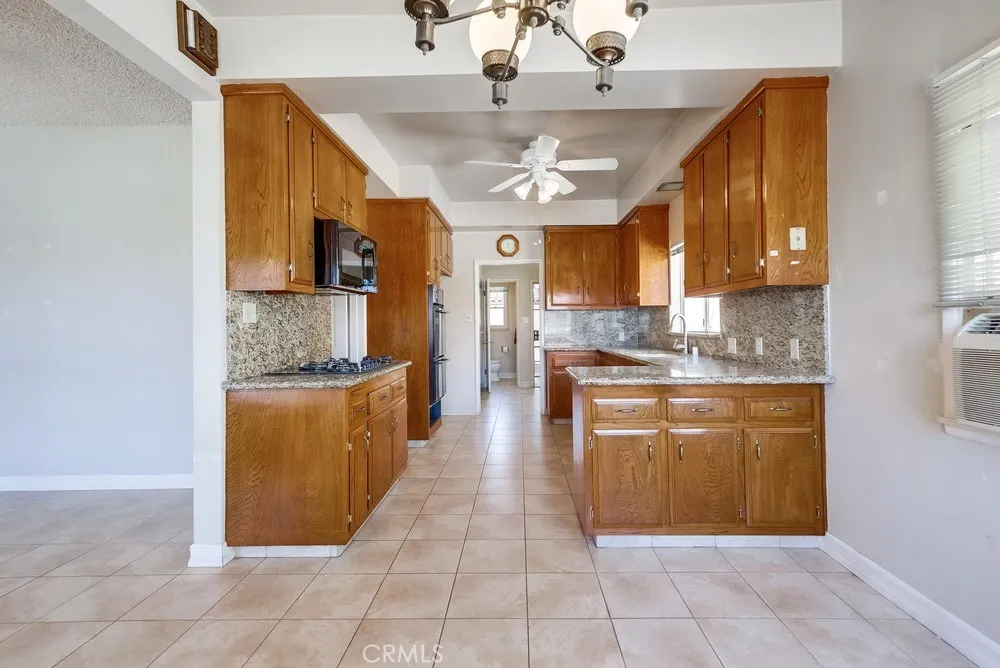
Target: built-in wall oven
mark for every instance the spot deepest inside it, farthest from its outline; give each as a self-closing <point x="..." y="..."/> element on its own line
<point x="438" y="360"/>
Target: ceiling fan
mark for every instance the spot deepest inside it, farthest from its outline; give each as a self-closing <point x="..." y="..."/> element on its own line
<point x="539" y="159"/>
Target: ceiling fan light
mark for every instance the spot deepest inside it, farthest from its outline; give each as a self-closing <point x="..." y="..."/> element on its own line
<point x="551" y="188"/>
<point x="543" y="197"/>
<point x="523" y="190"/>
<point x="488" y="33"/>
<point x="605" y="26"/>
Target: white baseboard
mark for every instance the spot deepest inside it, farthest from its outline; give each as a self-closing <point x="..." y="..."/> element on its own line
<point x="94" y="482"/>
<point x="205" y="555"/>
<point x="957" y="633"/>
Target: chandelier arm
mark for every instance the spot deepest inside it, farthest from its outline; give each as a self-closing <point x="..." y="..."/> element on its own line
<point x="563" y="30"/>
<point x="468" y="15"/>
<point x="510" y="54"/>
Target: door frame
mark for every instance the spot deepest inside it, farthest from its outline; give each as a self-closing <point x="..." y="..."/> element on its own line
<point x="477" y="279"/>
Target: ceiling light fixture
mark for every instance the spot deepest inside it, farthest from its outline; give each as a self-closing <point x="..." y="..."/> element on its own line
<point x="500" y="33"/>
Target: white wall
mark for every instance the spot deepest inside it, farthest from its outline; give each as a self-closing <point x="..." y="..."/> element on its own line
<point x="523" y="275"/>
<point x="95" y="303"/>
<point x="504" y="215"/>
<point x="917" y="502"/>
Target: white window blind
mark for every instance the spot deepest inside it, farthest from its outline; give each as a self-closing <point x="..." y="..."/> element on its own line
<point x="966" y="110"/>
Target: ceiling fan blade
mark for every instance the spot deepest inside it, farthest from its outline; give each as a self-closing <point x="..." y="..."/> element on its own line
<point x="591" y="165"/>
<point x="492" y="164"/>
<point x="509" y="182"/>
<point x="546" y="146"/>
<point x="524" y="189"/>
<point x="565" y="187"/>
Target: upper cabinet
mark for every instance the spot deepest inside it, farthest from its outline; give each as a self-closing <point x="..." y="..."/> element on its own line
<point x="644" y="257"/>
<point x="580" y="267"/>
<point x="284" y="169"/>
<point x="439" y="248"/>
<point x="735" y="237"/>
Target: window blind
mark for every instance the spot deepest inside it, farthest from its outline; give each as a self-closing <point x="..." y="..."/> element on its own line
<point x="966" y="115"/>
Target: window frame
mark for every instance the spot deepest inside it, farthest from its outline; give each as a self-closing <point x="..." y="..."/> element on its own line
<point x="680" y="304"/>
<point x="505" y="290"/>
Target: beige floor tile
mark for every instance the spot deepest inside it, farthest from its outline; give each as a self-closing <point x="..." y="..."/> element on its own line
<point x="104" y="559"/>
<point x="7" y="630"/>
<point x="290" y="566"/>
<point x="341" y="596"/>
<point x="41" y="596"/>
<point x="417" y="471"/>
<point x="394" y="642"/>
<point x="482" y="643"/>
<point x="866" y="601"/>
<point x="216" y="644"/>
<point x="549" y="504"/>
<point x="8" y="552"/>
<point x="815" y="561"/>
<point x="386" y="527"/>
<point x="496" y="527"/>
<point x="625" y="560"/>
<point x="503" y="459"/>
<point x="45" y="645"/>
<point x="428" y="556"/>
<point x="416" y="486"/>
<point x="126" y="645"/>
<point x="365" y="556"/>
<point x="489" y="596"/>
<point x="448" y="504"/>
<point x="493" y="556"/>
<point x="540" y="460"/>
<point x="109" y="599"/>
<point x="642" y="595"/>
<point x="798" y="596"/>
<point x="240" y="566"/>
<point x="677" y="643"/>
<point x="558" y="643"/>
<point x="559" y="556"/>
<point x="848" y="643"/>
<point x="439" y="527"/>
<point x="503" y="471"/>
<point x="461" y="486"/>
<point x="260" y="597"/>
<point x="499" y="504"/>
<point x="546" y="486"/>
<point x="184" y="597"/>
<point x="466" y="448"/>
<point x="692" y="560"/>
<point x="301" y="643"/>
<point x="10" y="584"/>
<point x="719" y="595"/>
<point x="459" y="459"/>
<point x="925" y="648"/>
<point x="493" y="486"/>
<point x="42" y="559"/>
<point x="756" y="643"/>
<point x="167" y="559"/>
<point x="412" y="597"/>
<point x="565" y="596"/>
<point x="402" y="504"/>
<point x="760" y="560"/>
<point x="552" y="526"/>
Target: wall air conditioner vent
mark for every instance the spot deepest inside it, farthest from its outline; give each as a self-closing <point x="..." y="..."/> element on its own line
<point x="987" y="323"/>
<point x="975" y="372"/>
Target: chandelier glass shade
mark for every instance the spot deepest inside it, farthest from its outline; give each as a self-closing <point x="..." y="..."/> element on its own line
<point x="592" y="17"/>
<point x="489" y="33"/>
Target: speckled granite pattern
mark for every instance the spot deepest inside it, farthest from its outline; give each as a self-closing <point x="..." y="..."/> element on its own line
<point x="591" y="328"/>
<point x="310" y="381"/>
<point x="290" y="329"/>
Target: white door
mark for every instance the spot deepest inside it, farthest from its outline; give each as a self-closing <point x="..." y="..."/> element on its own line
<point x="484" y="335"/>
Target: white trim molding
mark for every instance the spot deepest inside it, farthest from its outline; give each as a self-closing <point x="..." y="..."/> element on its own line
<point x="210" y="556"/>
<point x="51" y="483"/>
<point x="707" y="541"/>
<point x="957" y="633"/>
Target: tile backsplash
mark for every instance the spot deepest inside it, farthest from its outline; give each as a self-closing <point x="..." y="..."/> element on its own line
<point x="290" y="329"/>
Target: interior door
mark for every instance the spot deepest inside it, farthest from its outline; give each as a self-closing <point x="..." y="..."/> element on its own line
<point x="381" y="456"/>
<point x="484" y="335"/>
<point x="705" y="477"/>
<point x="600" y="256"/>
<point x="302" y="228"/>
<point x="694" y="274"/>
<point x="400" y="452"/>
<point x="628" y="475"/>
<point x="564" y="269"/>
<point x="744" y="171"/>
<point x="359" y="476"/>
<point x="716" y="234"/>
<point x="784" y="482"/>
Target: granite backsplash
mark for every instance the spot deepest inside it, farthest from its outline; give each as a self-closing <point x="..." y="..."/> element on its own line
<point x="290" y="329"/>
<point x="777" y="314"/>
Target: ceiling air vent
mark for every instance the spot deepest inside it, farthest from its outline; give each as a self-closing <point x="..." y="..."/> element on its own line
<point x="670" y="186"/>
<point x="976" y="371"/>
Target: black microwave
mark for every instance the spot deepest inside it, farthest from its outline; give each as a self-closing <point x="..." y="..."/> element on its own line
<point x="345" y="259"/>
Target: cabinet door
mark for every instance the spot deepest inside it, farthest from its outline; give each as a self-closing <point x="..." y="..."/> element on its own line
<point x="600" y="255"/>
<point x="744" y="171"/>
<point x="560" y="394"/>
<point x="784" y="479"/>
<point x="359" y="476"/>
<point x="715" y="238"/>
<point x="302" y="268"/>
<point x="628" y="478"/>
<point x="357" y="203"/>
<point x="447" y="261"/>
<point x="705" y="478"/>
<point x="564" y="269"/>
<point x="694" y="270"/>
<point x="433" y="254"/>
<point x="628" y="264"/>
<point x="400" y="451"/>
<point x="380" y="457"/>
<point x="330" y="175"/>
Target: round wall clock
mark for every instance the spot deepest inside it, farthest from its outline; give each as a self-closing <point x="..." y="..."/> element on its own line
<point x="508" y="245"/>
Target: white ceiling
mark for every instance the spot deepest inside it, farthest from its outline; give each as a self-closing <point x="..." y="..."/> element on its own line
<point x="53" y="72"/>
<point x="356" y="7"/>
<point x="445" y="140"/>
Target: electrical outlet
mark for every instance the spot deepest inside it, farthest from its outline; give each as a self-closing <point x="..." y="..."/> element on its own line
<point x="468" y="317"/>
<point x="505" y="349"/>
<point x="793" y="348"/>
<point x="249" y="313"/>
<point x="621" y="336"/>
<point x="731" y="345"/>
<point x="759" y="345"/>
<point x="525" y="320"/>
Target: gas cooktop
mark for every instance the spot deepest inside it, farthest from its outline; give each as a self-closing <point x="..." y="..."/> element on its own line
<point x="340" y="365"/>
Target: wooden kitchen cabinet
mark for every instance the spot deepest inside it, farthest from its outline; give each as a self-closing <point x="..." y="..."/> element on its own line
<point x="446" y="246"/>
<point x="433" y="249"/>
<point x="773" y="142"/>
<point x="706" y="482"/>
<point x="560" y="385"/>
<point x="628" y="262"/>
<point x="400" y="445"/>
<point x="784" y="478"/>
<point x="361" y="494"/>
<point x="580" y="267"/>
<point x="357" y="199"/>
<point x="380" y="459"/>
<point x="284" y="169"/>
<point x="629" y="489"/>
<point x="644" y="257"/>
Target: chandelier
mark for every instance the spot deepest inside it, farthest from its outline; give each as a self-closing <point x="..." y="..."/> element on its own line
<point x="500" y="32"/>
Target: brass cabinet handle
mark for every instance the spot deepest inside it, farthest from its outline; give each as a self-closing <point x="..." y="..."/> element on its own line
<point x="780" y="409"/>
<point x="650" y="451"/>
<point x="626" y="410"/>
<point x="383" y="397"/>
<point x="757" y="443"/>
<point x="343" y="205"/>
<point x="360" y="409"/>
<point x="703" y="410"/>
<point x="368" y="441"/>
<point x="680" y="450"/>
<point x="310" y="247"/>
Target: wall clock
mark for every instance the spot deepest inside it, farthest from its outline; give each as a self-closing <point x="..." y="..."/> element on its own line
<point x="508" y="245"/>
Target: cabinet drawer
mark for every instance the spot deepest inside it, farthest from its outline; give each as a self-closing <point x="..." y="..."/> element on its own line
<point x="399" y="389"/>
<point x="379" y="399"/>
<point x="712" y="409"/>
<point x="766" y="409"/>
<point x="563" y="360"/>
<point x="626" y="409"/>
<point x="358" y="409"/>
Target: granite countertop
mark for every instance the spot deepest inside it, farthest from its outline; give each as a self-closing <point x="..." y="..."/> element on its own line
<point x="669" y="368"/>
<point x="293" y="381"/>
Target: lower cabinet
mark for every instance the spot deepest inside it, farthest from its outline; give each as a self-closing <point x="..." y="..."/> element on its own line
<point x="628" y="477"/>
<point x="560" y="385"/>
<point x="400" y="443"/>
<point x="380" y="459"/>
<point x="784" y="478"/>
<point x="360" y="441"/>
<point x="706" y="478"/>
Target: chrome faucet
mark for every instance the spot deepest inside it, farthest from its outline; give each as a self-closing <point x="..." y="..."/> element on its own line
<point x="670" y="327"/>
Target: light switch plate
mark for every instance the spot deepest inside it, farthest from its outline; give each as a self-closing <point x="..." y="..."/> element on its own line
<point x="793" y="348"/>
<point x="468" y="317"/>
<point x="731" y="345"/>
<point x="759" y="345"/>
<point x="249" y="313"/>
<point x="505" y="349"/>
<point x="797" y="238"/>
<point x="525" y="320"/>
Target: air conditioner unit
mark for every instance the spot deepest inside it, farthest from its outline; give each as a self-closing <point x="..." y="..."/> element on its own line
<point x="972" y="374"/>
